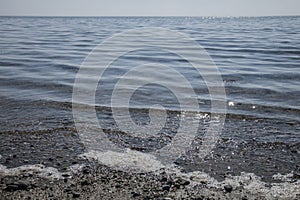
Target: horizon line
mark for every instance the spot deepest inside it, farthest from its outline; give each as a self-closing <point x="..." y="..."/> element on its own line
<point x="216" y="16"/>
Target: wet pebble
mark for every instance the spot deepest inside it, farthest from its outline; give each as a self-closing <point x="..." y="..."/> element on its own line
<point x="183" y="182"/>
<point x="85" y="171"/>
<point x="228" y="188"/>
<point x="50" y="159"/>
<point x="65" y="175"/>
<point x="166" y="187"/>
<point x="85" y="182"/>
<point x="135" y="194"/>
<point x="20" y="185"/>
<point x="76" y="194"/>
<point x="296" y="176"/>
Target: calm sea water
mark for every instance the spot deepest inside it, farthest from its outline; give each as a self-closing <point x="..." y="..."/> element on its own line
<point x="258" y="58"/>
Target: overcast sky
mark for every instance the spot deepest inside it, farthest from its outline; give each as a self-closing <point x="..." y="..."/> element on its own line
<point x="150" y="7"/>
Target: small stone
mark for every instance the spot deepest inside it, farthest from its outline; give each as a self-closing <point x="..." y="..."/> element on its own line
<point x="186" y="182"/>
<point x="76" y="194"/>
<point x="135" y="194"/>
<point x="170" y="181"/>
<point x="11" y="187"/>
<point x="166" y="187"/>
<point x="67" y="190"/>
<point x="20" y="185"/>
<point x="164" y="179"/>
<point x="85" y="171"/>
<point x="50" y="159"/>
<point x="65" y="175"/>
<point x="182" y="182"/>
<point x="296" y="176"/>
<point x="294" y="151"/>
<point x="228" y="188"/>
<point x="85" y="182"/>
<point x="177" y="186"/>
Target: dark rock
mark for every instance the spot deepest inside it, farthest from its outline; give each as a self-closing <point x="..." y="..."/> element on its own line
<point x="228" y="188"/>
<point x="296" y="176"/>
<point x="11" y="187"/>
<point x="85" y="171"/>
<point x="135" y="194"/>
<point x="85" y="182"/>
<point x="76" y="194"/>
<point x="67" y="190"/>
<point x="170" y="181"/>
<point x="183" y="182"/>
<point x="20" y="185"/>
<point x="164" y="179"/>
<point x="177" y="186"/>
<point x="186" y="182"/>
<point x="65" y="175"/>
<point x="203" y="182"/>
<point x="166" y="187"/>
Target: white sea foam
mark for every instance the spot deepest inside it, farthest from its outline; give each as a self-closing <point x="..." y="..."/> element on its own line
<point x="40" y="170"/>
<point x="130" y="160"/>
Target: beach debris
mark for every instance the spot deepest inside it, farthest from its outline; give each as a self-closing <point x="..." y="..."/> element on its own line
<point x="230" y="103"/>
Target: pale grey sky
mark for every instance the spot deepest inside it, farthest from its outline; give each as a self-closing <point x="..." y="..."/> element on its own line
<point x="150" y="7"/>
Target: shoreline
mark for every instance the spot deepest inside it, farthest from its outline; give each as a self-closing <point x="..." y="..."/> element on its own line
<point x="96" y="181"/>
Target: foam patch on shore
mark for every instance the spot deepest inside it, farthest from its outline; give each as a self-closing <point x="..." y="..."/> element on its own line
<point x="130" y="160"/>
<point x="40" y="170"/>
<point x="249" y="183"/>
